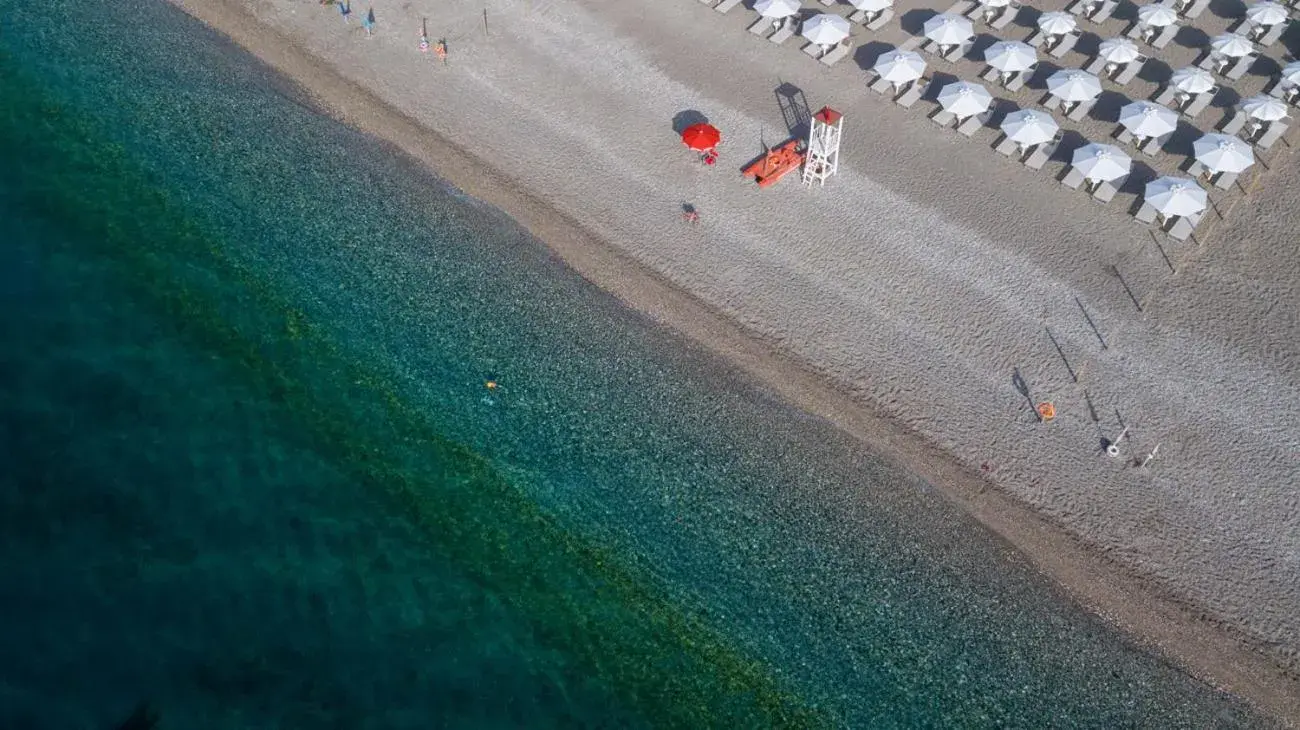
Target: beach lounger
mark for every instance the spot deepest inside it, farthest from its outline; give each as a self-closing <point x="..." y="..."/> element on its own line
<point x="726" y="5"/>
<point x="1271" y="135"/>
<point x="962" y="7"/>
<point x="1215" y="63"/>
<point x="1073" y="179"/>
<point x="1224" y="180"/>
<point x="1193" y="10"/>
<point x="1165" y="35"/>
<point x="1018" y="79"/>
<point x="1081" y="109"/>
<point x="942" y="117"/>
<point x="708" y="2"/>
<point x="1050" y="101"/>
<point x="1042" y="153"/>
<point x="783" y="33"/>
<point x="827" y="3"/>
<point x="1152" y="146"/>
<point x="1103" y="13"/>
<point x="1105" y="190"/>
<point x="1097" y="66"/>
<point x="1234" y="123"/>
<point x="1080" y="7"/>
<point x="1199" y="103"/>
<point x="883" y="17"/>
<point x="1273" y="34"/>
<point x="836" y="54"/>
<point x="1183" y="227"/>
<point x="813" y="50"/>
<point x="1147" y="213"/>
<point x="1278" y="89"/>
<point x="1167" y="96"/>
<point x="1240" y="66"/>
<point x="1006" y="146"/>
<point x="972" y="124"/>
<point x="1131" y="70"/>
<point x="1037" y="39"/>
<point x="1005" y="17"/>
<point x="1137" y="31"/>
<point x="958" y="52"/>
<point x="1065" y="44"/>
<point x="762" y="27"/>
<point x="913" y="93"/>
<point x="1122" y="135"/>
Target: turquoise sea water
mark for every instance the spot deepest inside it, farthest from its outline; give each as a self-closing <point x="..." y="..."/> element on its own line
<point x="254" y="480"/>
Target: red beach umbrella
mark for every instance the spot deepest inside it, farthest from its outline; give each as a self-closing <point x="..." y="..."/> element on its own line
<point x="701" y="137"/>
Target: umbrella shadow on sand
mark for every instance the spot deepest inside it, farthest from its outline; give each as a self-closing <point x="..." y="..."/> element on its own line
<point x="913" y="21"/>
<point x="687" y="118"/>
<point x="869" y="53"/>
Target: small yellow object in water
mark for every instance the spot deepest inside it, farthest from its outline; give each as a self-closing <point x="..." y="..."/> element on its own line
<point x="491" y="384"/>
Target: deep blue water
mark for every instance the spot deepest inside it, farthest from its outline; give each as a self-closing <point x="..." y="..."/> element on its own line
<point x="254" y="479"/>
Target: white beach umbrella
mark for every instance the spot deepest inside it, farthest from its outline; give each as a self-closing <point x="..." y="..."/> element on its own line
<point x="871" y="6"/>
<point x="1264" y="108"/>
<point x="825" y="29"/>
<point x="1232" y="45"/>
<point x="1072" y="84"/>
<point x="948" y="29"/>
<point x="1157" y="16"/>
<point x="776" y="9"/>
<point x="964" y="99"/>
<point x="1175" y="196"/>
<point x="1118" y="50"/>
<point x="1101" y="162"/>
<point x="1029" y="127"/>
<point x="1291" y="73"/>
<point x="1223" y="153"/>
<point x="1192" y="80"/>
<point x="1266" y="13"/>
<point x="1144" y="119"/>
<point x="900" y="67"/>
<point x="1057" y="23"/>
<point x="995" y="3"/>
<point x="1011" y="56"/>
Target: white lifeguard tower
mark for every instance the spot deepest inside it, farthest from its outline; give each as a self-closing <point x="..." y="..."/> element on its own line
<point x="823" y="156"/>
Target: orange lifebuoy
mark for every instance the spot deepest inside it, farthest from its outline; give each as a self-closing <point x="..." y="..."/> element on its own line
<point x="1047" y="411"/>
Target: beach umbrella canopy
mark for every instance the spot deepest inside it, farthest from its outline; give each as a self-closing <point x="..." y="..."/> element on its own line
<point x="1232" y="45"/>
<point x="825" y="29"/>
<point x="1101" y="162"/>
<point x="964" y="99"/>
<point x="1175" y="196"/>
<point x="1223" y="153"/>
<point x="1192" y="80"/>
<point x="948" y="29"/>
<point x="1157" y="16"/>
<point x="871" y="6"/>
<point x="1011" y="56"/>
<point x="1266" y="13"/>
<point x="1057" y="23"/>
<point x="702" y="136"/>
<point x="900" y="67"/>
<point x="776" y="8"/>
<point x="1029" y="127"/>
<point x="1144" y="119"/>
<point x="1264" y="108"/>
<point x="1118" y="50"/>
<point x="1291" y="72"/>
<point x="995" y="3"/>
<point x="1072" y="84"/>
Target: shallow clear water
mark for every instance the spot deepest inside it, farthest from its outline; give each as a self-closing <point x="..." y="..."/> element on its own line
<point x="254" y="478"/>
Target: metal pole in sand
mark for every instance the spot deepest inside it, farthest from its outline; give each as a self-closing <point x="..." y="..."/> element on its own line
<point x="1112" y="448"/>
<point x="1150" y="456"/>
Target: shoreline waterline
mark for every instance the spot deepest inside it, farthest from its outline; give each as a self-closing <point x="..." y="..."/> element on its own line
<point x="1215" y="655"/>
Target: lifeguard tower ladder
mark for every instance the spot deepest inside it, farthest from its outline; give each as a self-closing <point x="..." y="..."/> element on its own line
<point x="823" y="156"/>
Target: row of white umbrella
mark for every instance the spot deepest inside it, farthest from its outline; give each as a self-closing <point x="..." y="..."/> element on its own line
<point x="778" y="9"/>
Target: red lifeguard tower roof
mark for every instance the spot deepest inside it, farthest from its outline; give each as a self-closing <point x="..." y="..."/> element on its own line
<point x="827" y="115"/>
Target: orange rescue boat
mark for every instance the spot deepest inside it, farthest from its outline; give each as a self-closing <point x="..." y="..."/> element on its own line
<point x="774" y="165"/>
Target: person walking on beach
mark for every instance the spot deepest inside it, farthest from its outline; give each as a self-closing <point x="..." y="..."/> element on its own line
<point x="345" y="9"/>
<point x="369" y="22"/>
<point x="441" y="50"/>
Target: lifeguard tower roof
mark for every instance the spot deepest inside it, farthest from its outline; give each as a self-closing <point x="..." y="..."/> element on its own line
<point x="827" y="115"/>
